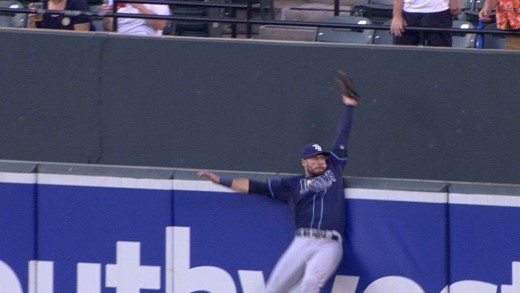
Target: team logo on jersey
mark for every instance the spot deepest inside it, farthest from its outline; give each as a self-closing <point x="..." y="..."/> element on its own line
<point x="65" y="21"/>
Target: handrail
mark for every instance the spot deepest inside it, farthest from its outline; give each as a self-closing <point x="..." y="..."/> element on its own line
<point x="248" y="20"/>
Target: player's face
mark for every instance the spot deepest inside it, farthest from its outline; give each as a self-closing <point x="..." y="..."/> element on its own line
<point x="314" y="166"/>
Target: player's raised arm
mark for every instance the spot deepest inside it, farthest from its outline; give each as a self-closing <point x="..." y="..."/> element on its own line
<point x="350" y="99"/>
<point x="237" y="184"/>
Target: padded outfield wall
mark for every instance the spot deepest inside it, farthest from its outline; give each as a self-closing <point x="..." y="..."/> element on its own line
<point x="93" y="229"/>
<point x="428" y="113"/>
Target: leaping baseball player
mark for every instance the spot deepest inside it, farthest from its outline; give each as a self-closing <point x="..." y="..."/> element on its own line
<point x="318" y="202"/>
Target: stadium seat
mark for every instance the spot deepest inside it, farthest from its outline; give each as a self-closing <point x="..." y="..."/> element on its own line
<point x="346" y="35"/>
<point x="378" y="11"/>
<point x="465" y="4"/>
<point x="194" y="28"/>
<point x="493" y="41"/>
<point x="382" y="36"/>
<point x="463" y="40"/>
<point x="188" y="28"/>
<point x="476" y="4"/>
<point x="11" y="19"/>
<point x="266" y="7"/>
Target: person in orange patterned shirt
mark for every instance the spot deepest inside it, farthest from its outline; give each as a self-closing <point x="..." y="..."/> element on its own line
<point x="508" y="18"/>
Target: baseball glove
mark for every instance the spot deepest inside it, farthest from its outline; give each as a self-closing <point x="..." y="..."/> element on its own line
<point x="346" y="86"/>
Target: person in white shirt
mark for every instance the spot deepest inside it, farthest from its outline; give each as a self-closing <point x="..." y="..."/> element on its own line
<point x="136" y="26"/>
<point x="423" y="13"/>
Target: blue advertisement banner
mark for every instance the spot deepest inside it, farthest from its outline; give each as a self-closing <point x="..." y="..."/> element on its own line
<point x="391" y="238"/>
<point x="17" y="229"/>
<point x="87" y="234"/>
<point x="485" y="243"/>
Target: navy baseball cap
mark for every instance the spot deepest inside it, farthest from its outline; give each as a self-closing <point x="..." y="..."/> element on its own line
<point x="312" y="149"/>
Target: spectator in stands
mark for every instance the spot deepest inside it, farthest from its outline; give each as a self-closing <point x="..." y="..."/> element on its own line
<point x="138" y="26"/>
<point x="60" y="21"/>
<point x="508" y="18"/>
<point x="423" y="13"/>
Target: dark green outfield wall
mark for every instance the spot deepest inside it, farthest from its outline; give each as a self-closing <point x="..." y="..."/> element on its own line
<point x="440" y="114"/>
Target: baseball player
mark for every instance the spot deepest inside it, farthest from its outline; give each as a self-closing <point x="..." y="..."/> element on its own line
<point x="318" y="201"/>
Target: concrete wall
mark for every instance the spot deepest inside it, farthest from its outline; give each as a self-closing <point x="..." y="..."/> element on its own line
<point x="439" y="114"/>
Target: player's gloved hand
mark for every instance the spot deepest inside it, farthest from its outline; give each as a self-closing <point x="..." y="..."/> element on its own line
<point x="346" y="87"/>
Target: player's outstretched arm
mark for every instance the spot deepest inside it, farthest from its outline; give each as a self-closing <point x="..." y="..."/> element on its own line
<point x="350" y="99"/>
<point x="237" y="184"/>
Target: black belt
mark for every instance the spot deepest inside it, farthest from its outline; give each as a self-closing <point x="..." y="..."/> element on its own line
<point x="318" y="234"/>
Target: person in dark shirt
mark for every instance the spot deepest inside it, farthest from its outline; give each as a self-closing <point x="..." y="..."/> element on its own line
<point x="62" y="22"/>
<point x="318" y="201"/>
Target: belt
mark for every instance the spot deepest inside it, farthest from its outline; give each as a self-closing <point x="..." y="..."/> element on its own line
<point x="318" y="234"/>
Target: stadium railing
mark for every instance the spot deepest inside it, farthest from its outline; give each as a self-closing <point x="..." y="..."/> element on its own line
<point x="248" y="20"/>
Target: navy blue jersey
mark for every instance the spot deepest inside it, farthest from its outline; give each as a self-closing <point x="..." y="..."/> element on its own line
<point x="318" y="202"/>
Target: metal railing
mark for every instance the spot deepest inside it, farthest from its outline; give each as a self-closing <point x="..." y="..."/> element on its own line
<point x="249" y="21"/>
